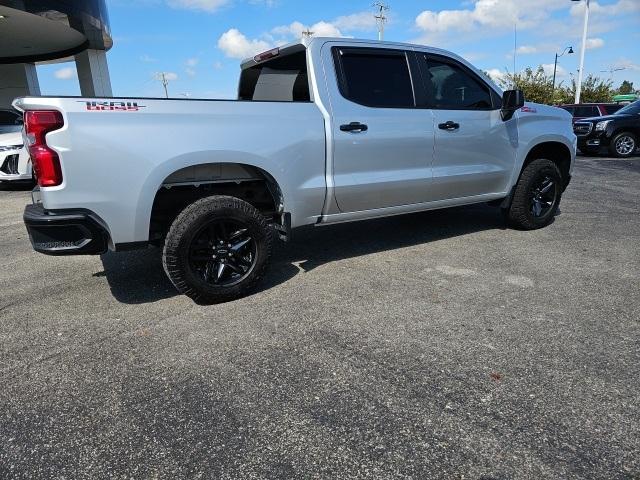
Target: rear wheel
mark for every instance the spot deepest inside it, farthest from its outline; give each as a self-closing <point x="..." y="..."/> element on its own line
<point x="217" y="249"/>
<point x="623" y="145"/>
<point x="537" y="195"/>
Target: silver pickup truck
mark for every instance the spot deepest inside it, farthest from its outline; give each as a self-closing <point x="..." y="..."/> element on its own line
<point x="324" y="131"/>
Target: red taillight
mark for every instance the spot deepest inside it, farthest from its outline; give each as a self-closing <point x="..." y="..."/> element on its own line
<point x="45" y="162"/>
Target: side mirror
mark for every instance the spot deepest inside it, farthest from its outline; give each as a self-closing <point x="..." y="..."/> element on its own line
<point x="512" y="100"/>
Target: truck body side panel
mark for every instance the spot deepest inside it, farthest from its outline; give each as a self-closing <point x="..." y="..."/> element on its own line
<point x="114" y="161"/>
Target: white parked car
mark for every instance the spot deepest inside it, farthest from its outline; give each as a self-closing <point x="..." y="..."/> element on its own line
<point x="15" y="164"/>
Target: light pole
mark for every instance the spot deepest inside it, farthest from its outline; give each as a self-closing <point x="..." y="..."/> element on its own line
<point x="568" y="50"/>
<point x="584" y="47"/>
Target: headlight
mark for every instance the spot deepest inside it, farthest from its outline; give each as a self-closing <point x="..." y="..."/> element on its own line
<point x="601" y="126"/>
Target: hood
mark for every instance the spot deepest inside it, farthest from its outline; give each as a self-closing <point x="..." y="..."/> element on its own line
<point x="10" y="139"/>
<point x="616" y="116"/>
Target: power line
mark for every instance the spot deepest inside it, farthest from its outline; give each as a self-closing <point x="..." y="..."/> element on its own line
<point x="381" y="18"/>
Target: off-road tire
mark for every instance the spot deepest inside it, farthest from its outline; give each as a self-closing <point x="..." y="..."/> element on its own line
<point x="519" y="214"/>
<point x="176" y="256"/>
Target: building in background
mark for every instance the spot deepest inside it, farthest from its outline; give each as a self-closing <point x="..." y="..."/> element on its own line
<point x="48" y="31"/>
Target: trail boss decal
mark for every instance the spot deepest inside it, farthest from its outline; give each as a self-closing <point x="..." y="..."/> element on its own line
<point x="526" y="109"/>
<point x="94" y="106"/>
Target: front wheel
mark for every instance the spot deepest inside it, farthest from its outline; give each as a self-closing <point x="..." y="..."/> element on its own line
<point x="217" y="249"/>
<point x="537" y="195"/>
<point x="623" y="145"/>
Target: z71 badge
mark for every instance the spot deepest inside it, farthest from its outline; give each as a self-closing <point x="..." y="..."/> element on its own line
<point x="118" y="106"/>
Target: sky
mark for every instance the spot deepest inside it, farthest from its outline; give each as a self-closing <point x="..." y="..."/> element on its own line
<point x="200" y="43"/>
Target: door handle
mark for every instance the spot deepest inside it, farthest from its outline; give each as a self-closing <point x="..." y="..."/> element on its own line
<point x="449" y="126"/>
<point x="354" y="127"/>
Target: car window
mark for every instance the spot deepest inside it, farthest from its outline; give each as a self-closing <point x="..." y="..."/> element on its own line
<point x="10" y="121"/>
<point x="375" y="77"/>
<point x="586" y="111"/>
<point x="611" y="109"/>
<point x="450" y="86"/>
<point x="568" y="109"/>
<point x="283" y="79"/>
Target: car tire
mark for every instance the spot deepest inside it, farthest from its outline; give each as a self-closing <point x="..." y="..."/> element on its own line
<point x="217" y="249"/>
<point x="537" y="196"/>
<point x="623" y="144"/>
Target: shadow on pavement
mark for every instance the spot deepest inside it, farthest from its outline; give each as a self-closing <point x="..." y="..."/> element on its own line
<point x="16" y="186"/>
<point x="137" y="277"/>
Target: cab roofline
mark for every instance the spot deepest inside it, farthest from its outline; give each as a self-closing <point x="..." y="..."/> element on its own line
<point x="305" y="43"/>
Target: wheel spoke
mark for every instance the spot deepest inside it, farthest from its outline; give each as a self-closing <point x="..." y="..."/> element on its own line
<point x="208" y="270"/>
<point x="223" y="252"/>
<point x="221" y="269"/>
<point x="547" y="187"/>
<point x="240" y="244"/>
<point x="237" y="234"/>
<point x="236" y="268"/>
<point x="537" y="208"/>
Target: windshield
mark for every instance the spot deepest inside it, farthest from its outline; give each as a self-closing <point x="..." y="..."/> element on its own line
<point x="632" y="108"/>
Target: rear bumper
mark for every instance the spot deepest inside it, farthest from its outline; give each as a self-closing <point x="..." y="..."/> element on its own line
<point x="65" y="232"/>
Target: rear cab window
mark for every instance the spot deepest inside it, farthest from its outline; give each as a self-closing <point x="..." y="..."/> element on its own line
<point x="281" y="79"/>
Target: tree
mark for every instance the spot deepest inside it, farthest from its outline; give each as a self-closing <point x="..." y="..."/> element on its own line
<point x="594" y="90"/>
<point x="536" y="84"/>
<point x="626" y="87"/>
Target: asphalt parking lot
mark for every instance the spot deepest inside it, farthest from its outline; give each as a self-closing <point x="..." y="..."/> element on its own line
<point x="434" y="345"/>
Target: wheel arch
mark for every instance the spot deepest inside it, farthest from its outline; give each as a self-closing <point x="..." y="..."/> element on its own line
<point x="558" y="152"/>
<point x="217" y="173"/>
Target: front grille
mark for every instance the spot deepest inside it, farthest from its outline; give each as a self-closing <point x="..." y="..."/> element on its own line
<point x="582" y="128"/>
<point x="10" y="165"/>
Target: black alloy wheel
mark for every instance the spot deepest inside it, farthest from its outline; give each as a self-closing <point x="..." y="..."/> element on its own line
<point x="223" y="252"/>
<point x="217" y="249"/>
<point x="544" y="195"/>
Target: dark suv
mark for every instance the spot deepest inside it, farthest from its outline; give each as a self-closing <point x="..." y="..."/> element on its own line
<point x="619" y="132"/>
<point x="587" y="110"/>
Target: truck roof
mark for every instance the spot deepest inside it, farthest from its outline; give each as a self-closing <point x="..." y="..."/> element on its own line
<point x="307" y="42"/>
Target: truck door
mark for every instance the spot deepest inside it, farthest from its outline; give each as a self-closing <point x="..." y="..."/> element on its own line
<point x="382" y="143"/>
<point x="475" y="149"/>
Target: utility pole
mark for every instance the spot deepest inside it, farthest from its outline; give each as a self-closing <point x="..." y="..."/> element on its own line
<point x="584" y="47"/>
<point x="381" y="18"/>
<point x="307" y="33"/>
<point x="162" y="76"/>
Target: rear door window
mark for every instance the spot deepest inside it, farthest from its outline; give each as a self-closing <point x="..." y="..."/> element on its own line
<point x="374" y="77"/>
